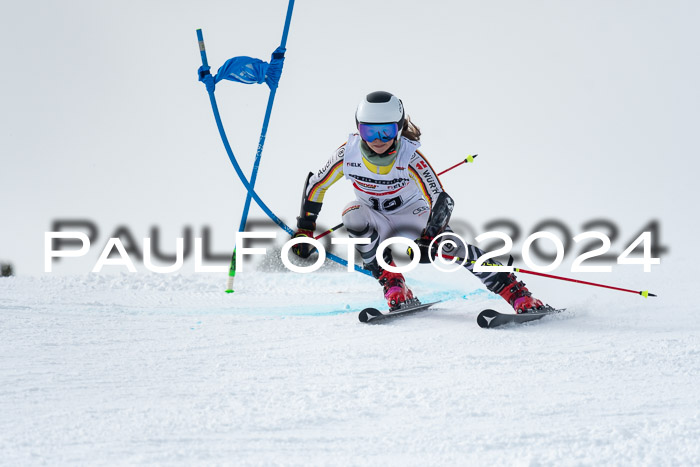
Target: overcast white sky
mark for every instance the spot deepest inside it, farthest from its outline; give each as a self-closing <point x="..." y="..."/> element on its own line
<point x="579" y="110"/>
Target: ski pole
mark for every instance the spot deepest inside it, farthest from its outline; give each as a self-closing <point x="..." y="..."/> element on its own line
<point x="332" y="229"/>
<point x="643" y="293"/>
<point x="468" y="159"/>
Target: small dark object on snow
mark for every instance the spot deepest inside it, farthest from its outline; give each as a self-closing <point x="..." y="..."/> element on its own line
<point x="6" y="270"/>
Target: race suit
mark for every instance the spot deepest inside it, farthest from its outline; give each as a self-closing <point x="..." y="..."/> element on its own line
<point x="391" y="201"/>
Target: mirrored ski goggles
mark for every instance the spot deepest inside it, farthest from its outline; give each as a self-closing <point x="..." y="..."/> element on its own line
<point x="383" y="131"/>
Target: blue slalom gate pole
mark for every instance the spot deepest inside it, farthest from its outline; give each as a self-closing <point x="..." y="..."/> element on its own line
<point x="249" y="185"/>
<point x="254" y="195"/>
<point x="258" y="153"/>
<point x="229" y="151"/>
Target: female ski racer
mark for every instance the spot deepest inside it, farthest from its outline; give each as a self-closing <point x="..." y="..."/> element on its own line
<point x="398" y="194"/>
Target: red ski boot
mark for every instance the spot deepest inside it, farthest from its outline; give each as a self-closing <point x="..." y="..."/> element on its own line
<point x="518" y="296"/>
<point x="395" y="290"/>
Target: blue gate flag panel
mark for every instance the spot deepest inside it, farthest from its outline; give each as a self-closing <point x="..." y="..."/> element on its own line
<point x="246" y="70"/>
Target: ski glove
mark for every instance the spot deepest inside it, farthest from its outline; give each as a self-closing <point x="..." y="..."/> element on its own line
<point x="303" y="250"/>
<point x="426" y="252"/>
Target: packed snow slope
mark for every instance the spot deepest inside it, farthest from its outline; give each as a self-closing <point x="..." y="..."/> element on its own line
<point x="167" y="369"/>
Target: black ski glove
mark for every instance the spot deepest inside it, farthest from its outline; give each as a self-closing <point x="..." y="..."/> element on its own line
<point x="306" y="223"/>
<point x="303" y="250"/>
<point x="426" y="252"/>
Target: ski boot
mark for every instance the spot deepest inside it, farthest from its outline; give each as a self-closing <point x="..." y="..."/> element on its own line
<point x="394" y="284"/>
<point x="395" y="290"/>
<point x="515" y="293"/>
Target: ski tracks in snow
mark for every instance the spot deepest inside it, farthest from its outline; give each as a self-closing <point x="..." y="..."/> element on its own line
<point x="148" y="369"/>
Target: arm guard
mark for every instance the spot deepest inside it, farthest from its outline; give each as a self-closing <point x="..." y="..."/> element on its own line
<point x="309" y="209"/>
<point x="439" y="215"/>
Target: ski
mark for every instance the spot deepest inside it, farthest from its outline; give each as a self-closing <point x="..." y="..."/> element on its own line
<point x="492" y="318"/>
<point x="372" y="315"/>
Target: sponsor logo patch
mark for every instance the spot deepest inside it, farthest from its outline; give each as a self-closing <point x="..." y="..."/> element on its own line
<point x="366" y="185"/>
<point x="398" y="181"/>
<point x="448" y="247"/>
<point x="432" y="183"/>
<point x="351" y="208"/>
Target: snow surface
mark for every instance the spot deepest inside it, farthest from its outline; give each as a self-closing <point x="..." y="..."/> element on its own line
<point x="168" y="369"/>
<point x="580" y="111"/>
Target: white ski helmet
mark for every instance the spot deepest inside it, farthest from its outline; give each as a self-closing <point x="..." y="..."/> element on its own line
<point x="380" y="107"/>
